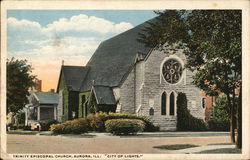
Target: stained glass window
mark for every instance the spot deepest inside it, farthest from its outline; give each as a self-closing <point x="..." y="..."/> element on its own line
<point x="172" y="71"/>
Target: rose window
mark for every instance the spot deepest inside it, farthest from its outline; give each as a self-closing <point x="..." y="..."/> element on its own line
<point x="172" y="71"/>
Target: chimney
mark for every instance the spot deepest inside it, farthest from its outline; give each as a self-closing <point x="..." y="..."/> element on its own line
<point x="38" y="86"/>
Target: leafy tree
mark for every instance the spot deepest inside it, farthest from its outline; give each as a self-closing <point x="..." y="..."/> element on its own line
<point x="220" y="116"/>
<point x="19" y="80"/>
<point x="220" y="110"/>
<point x="211" y="40"/>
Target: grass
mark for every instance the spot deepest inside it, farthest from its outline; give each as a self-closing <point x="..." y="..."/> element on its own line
<point x="175" y="146"/>
<point x="49" y="134"/>
<point x="46" y="133"/>
<point x="222" y="150"/>
<point x="180" y="134"/>
<point x="78" y="135"/>
<point x="23" y="133"/>
<point x="220" y="144"/>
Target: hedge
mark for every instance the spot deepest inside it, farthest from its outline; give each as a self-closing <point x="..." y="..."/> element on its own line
<point x="185" y="121"/>
<point x="45" y="125"/>
<point x="124" y="126"/>
<point x="76" y="126"/>
<point x="215" y="125"/>
<point x="97" y="121"/>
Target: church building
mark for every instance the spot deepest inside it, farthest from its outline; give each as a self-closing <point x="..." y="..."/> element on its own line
<point x="125" y="76"/>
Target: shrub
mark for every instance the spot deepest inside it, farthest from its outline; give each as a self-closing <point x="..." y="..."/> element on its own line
<point x="27" y="128"/>
<point x="21" y="117"/>
<point x="97" y="121"/>
<point x="185" y="121"/>
<point x="18" y="126"/>
<point x="124" y="126"/>
<point x="75" y="126"/>
<point x="45" y="125"/>
<point x="220" y="119"/>
<point x="215" y="125"/>
<point x="149" y="126"/>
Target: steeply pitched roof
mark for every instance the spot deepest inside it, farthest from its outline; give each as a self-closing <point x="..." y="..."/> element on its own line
<point x="114" y="58"/>
<point x="104" y="95"/>
<point x="47" y="97"/>
<point x="74" y="76"/>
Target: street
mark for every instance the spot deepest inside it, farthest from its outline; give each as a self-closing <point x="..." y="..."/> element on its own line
<point x="104" y="144"/>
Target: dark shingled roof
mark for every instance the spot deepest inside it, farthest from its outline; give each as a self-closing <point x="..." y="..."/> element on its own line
<point x="74" y="76"/>
<point x="104" y="95"/>
<point x="114" y="58"/>
<point x="47" y="97"/>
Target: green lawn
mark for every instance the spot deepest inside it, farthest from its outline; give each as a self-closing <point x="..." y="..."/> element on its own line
<point x="86" y="135"/>
<point x="24" y="133"/>
<point x="176" y="146"/>
<point x="222" y="150"/>
<point x="220" y="144"/>
<point x="79" y="135"/>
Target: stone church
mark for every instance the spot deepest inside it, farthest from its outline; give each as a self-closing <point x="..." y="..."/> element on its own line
<point x="125" y="76"/>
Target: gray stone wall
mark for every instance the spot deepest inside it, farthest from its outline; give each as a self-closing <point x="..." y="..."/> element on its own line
<point x="155" y="85"/>
<point x="139" y="75"/>
<point x="127" y="94"/>
<point x="145" y="84"/>
<point x="60" y="106"/>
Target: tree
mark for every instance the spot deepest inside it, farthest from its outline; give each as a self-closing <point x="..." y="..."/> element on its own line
<point x="211" y="40"/>
<point x="219" y="118"/>
<point x="19" y="80"/>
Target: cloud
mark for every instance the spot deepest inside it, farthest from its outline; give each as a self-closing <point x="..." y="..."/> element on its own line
<point x="73" y="40"/>
<point x="24" y="29"/>
<point x="59" y="47"/>
<point x="83" y="23"/>
<point x="23" y="24"/>
<point x="25" y="35"/>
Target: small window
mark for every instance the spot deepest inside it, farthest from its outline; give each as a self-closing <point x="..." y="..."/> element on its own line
<point x="73" y="114"/>
<point x="151" y="111"/>
<point x="83" y="107"/>
<point x="203" y="102"/>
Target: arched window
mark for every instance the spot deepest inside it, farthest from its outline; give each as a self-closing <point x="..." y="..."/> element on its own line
<point x="172" y="104"/>
<point x="163" y="103"/>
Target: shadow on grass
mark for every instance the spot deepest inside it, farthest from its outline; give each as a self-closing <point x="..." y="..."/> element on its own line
<point x="221" y="151"/>
<point x="176" y="146"/>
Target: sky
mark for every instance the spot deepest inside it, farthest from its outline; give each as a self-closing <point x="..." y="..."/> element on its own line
<point x="47" y="37"/>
